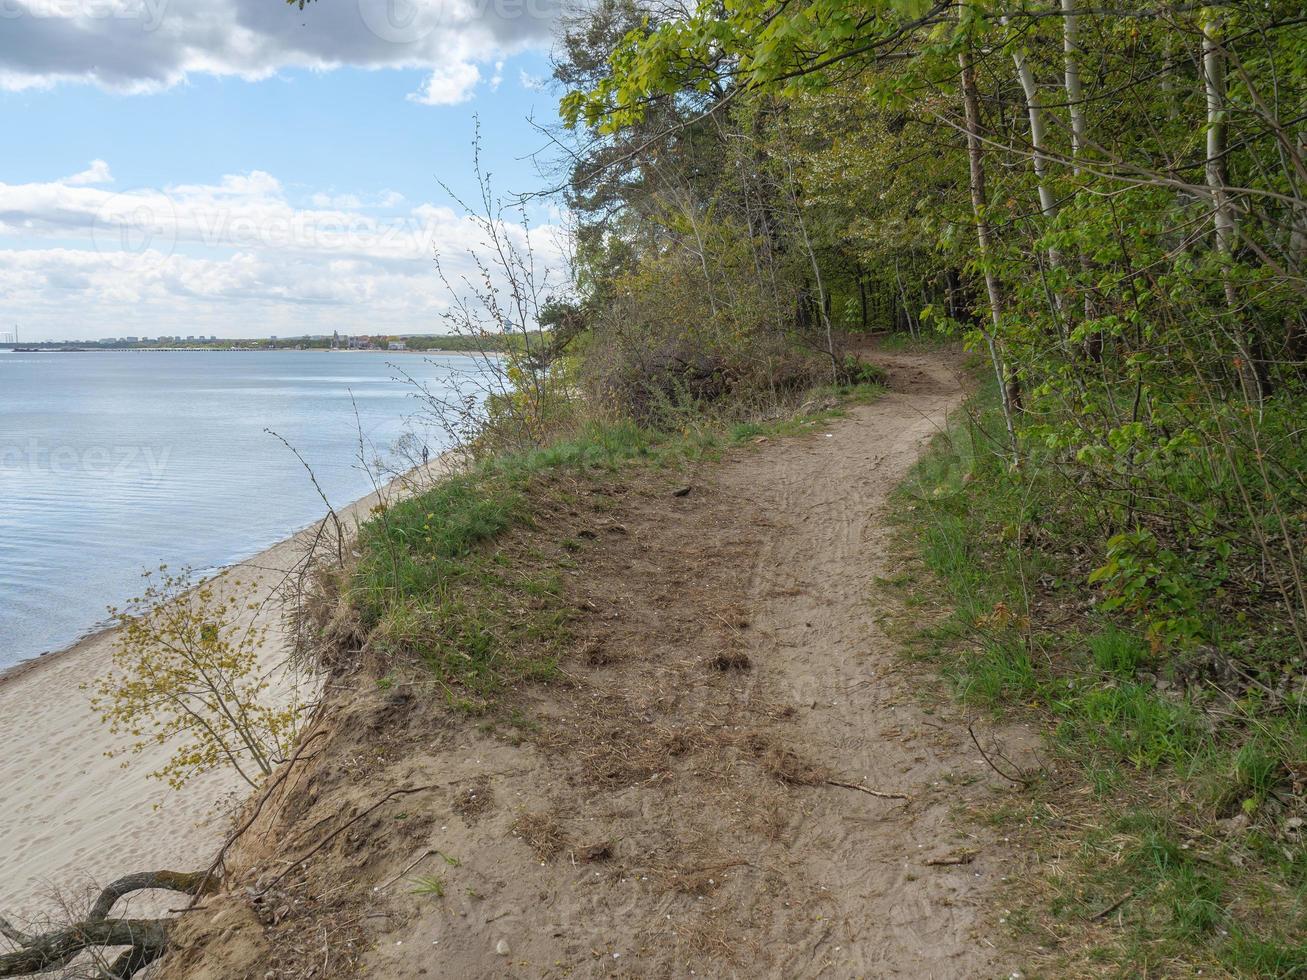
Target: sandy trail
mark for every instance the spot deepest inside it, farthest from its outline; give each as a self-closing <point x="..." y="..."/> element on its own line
<point x="72" y="818"/>
<point x="667" y="808"/>
<point x="820" y="636"/>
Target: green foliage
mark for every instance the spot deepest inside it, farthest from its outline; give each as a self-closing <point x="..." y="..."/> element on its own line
<point x="1143" y="578"/>
<point x="1154" y="368"/>
<point x="687" y="329"/>
<point x="852" y="371"/>
<point x="187" y="677"/>
<point x="1161" y="762"/>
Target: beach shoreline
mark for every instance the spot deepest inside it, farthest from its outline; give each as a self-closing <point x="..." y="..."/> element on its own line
<point x="76" y="818"/>
<point x="100" y="631"/>
<point x="14" y="672"/>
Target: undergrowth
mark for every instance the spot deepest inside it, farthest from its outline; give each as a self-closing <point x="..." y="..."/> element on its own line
<point x="1169" y="817"/>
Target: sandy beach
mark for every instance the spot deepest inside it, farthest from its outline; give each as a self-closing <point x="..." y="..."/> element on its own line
<point x="72" y="817"/>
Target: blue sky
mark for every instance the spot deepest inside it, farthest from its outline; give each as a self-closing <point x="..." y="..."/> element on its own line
<point x="242" y="168"/>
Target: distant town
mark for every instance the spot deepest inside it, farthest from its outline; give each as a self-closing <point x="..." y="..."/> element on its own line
<point x="334" y="341"/>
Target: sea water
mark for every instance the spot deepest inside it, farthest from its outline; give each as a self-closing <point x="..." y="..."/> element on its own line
<point x="112" y="462"/>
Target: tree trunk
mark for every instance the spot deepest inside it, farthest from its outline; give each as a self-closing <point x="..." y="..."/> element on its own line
<point x="1038" y="141"/>
<point x="1093" y="344"/>
<point x="1009" y="386"/>
<point x="1074" y="95"/>
<point x="1251" y="364"/>
<point x="146" y="938"/>
<point x="1296" y="328"/>
<point x="862" y="293"/>
<point x="1039" y="158"/>
<point x="816" y="272"/>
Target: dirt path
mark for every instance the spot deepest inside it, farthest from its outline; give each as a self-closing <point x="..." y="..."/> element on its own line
<point x="817" y="633"/>
<point x="672" y="808"/>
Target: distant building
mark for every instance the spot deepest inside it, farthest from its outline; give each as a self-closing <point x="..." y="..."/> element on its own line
<point x="397" y="345"/>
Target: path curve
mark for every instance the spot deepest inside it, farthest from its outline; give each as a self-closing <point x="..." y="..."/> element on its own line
<point x="671" y="807"/>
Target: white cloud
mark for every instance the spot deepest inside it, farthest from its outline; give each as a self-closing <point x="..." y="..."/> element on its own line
<point x="230" y="258"/>
<point x="449" y="85"/>
<point x="144" y="45"/>
<point x="350" y="201"/>
<point x="384" y="201"/>
<point x="532" y="83"/>
<point x="96" y="173"/>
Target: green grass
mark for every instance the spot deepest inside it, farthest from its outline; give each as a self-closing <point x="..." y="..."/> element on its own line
<point x="1144" y="771"/>
<point x="999" y="672"/>
<point x="1117" y="652"/>
<point x="429" y="885"/>
<point x="1127" y="722"/>
<point x="427" y="587"/>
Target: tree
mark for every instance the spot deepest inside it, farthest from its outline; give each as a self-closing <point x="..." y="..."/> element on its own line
<point x="1137" y="230"/>
<point x="187" y="675"/>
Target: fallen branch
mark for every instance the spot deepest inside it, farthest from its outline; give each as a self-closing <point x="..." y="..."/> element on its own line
<point x="428" y="852"/>
<point x="188" y="882"/>
<point x="1019" y="779"/>
<point x="1113" y="907"/>
<point x="52" y="950"/>
<point x="9" y="932"/>
<point x="868" y="790"/>
<point x="966" y="857"/>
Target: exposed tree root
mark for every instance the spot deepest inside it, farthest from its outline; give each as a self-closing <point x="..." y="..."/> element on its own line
<point x="146" y="939"/>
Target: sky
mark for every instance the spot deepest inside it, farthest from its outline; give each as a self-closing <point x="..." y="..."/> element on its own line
<point x="244" y="168"/>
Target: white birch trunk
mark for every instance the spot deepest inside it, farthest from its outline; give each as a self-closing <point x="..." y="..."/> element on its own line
<point x="975" y="159"/>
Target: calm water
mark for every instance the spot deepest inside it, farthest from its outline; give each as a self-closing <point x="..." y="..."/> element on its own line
<point x="114" y="462"/>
